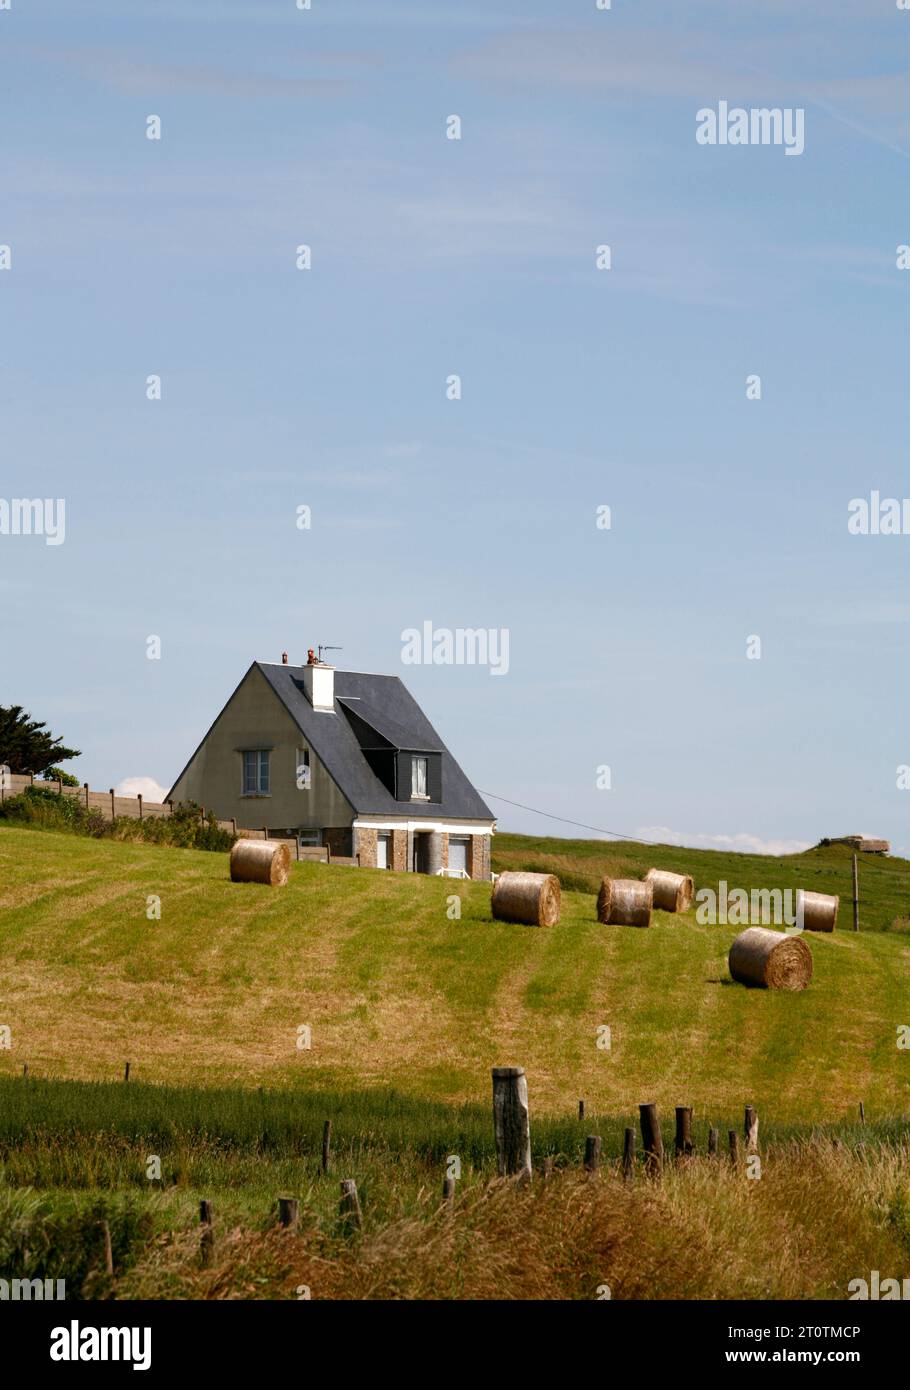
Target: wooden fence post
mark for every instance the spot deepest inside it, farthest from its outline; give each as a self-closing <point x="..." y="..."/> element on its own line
<point x="448" y="1192"/>
<point x="25" y="1070"/>
<point x="85" y="789"/>
<point x="651" y="1139"/>
<point x="349" y="1206"/>
<point x="207" y="1239"/>
<point x="112" y="804"/>
<point x="139" y="799"/>
<point x="546" y="1166"/>
<point x="326" y="1145"/>
<point x="855" y="895"/>
<point x="233" y="824"/>
<point x="581" y="1109"/>
<point x="108" y="1252"/>
<point x="126" y="1072"/>
<point x="288" y="1212"/>
<point x="712" y="1143"/>
<point x="862" y="1113"/>
<point x="511" y="1122"/>
<point x="750" y="1129"/>
<point x="592" y="1153"/>
<point x="628" y="1153"/>
<point x="684" y="1145"/>
<point x="734" y="1147"/>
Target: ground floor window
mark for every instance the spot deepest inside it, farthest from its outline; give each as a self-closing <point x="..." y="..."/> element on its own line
<point x="309" y="837"/>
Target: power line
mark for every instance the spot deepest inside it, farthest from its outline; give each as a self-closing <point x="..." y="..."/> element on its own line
<point x="617" y="834"/>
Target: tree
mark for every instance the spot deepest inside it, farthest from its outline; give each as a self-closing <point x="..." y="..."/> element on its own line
<point x="27" y="745"/>
<point x="59" y="774"/>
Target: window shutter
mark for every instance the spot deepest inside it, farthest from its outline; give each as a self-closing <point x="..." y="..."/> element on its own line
<point x="434" y="777"/>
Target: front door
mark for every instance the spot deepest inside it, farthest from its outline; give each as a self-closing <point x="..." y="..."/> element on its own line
<point x="420" y="856"/>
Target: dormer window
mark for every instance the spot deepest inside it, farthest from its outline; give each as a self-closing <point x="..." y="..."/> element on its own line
<point x="419" y="779"/>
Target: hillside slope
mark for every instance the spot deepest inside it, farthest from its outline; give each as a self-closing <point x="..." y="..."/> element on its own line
<point x="884" y="882"/>
<point x="396" y="992"/>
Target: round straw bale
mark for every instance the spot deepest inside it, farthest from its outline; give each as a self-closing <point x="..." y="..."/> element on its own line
<point x="630" y="902"/>
<point x="770" y="959"/>
<point x="260" y="861"/>
<point x="605" y="900"/>
<point x="672" y="892"/>
<point x="816" y="911"/>
<point x="529" y="898"/>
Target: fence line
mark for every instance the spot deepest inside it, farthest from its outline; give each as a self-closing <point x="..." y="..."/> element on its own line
<point x="111" y="805"/>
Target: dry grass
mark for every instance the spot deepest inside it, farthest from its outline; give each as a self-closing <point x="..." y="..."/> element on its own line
<point x="819" y="1216"/>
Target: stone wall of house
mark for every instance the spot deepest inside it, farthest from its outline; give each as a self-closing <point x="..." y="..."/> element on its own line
<point x="365" y="847"/>
<point x="400" y="851"/>
<point x="480" y="857"/>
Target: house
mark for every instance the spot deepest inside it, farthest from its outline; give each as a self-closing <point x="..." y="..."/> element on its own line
<point x="342" y="759"/>
<point x="865" y="843"/>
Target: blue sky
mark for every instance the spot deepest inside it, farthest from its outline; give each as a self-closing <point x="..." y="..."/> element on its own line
<point x="581" y="388"/>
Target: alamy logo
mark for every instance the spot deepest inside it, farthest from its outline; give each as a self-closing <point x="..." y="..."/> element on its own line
<point x="32" y="1290"/>
<point x="880" y="516"/>
<point x="460" y="646"/>
<point x="759" y="125"/>
<point x="34" y="516"/>
<point x="75" y="1343"/>
<point x="737" y="907"/>
<point x="876" y="1288"/>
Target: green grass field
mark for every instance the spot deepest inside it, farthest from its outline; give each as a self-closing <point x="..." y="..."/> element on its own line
<point x="408" y="1009"/>
<point x="395" y="992"/>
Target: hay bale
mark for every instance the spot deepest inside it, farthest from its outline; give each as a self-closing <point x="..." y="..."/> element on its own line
<point x="627" y="902"/>
<point x="533" y="899"/>
<point x="260" y="861"/>
<point x="605" y="900"/>
<point x="816" y="911"/>
<point x="770" y="959"/>
<point x="671" y="892"/>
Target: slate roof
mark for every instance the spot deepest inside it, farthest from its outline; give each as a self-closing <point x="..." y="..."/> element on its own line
<point x="387" y="706"/>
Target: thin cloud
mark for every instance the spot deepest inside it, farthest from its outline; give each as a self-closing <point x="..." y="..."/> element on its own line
<point x="738" y="844"/>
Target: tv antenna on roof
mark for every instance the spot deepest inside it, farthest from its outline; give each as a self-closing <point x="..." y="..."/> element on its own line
<point x="322" y="648"/>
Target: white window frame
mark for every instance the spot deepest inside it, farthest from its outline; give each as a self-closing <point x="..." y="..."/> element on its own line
<point x="260" y="784"/>
<point x="418" y="766"/>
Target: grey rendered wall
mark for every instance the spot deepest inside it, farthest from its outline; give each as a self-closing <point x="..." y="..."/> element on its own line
<point x="256" y="718"/>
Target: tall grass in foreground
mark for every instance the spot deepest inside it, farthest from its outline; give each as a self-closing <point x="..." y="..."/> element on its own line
<point x="818" y="1217"/>
<point x="829" y="1206"/>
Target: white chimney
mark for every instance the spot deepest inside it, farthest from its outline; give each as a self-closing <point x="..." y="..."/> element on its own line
<point x="319" y="684"/>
